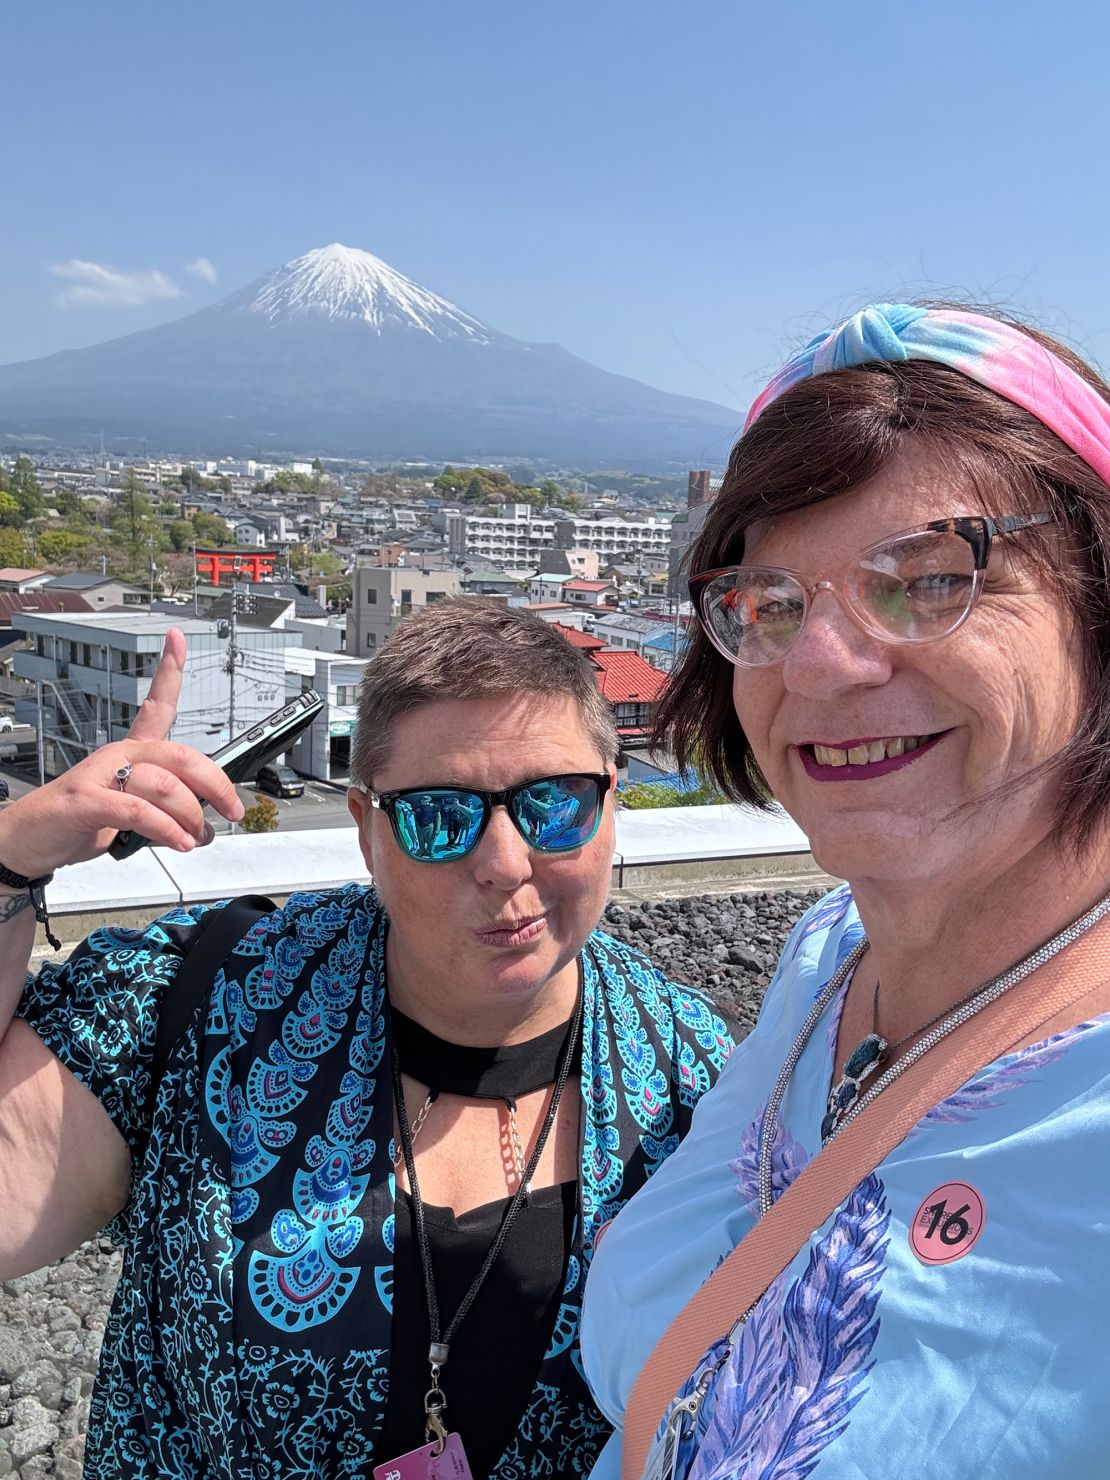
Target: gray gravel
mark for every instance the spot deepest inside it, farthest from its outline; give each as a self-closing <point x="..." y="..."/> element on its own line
<point x="51" y="1321"/>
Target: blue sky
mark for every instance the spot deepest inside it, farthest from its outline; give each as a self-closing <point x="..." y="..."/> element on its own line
<point x="677" y="190"/>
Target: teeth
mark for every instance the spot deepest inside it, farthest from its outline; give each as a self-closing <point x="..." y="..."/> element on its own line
<point x="869" y="754"/>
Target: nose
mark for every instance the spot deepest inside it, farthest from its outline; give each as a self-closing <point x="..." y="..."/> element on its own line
<point x="502" y="858"/>
<point x="833" y="652"/>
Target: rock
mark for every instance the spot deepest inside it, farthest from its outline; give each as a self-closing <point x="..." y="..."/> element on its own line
<point x="743" y="956"/>
<point x="32" y="1431"/>
<point x="41" y="1380"/>
<point x="14" y="1347"/>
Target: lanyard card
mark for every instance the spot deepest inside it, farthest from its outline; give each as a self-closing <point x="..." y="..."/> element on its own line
<point x="426" y="1464"/>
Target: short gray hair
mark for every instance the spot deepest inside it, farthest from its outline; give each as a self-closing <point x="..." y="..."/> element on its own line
<point x="464" y="647"/>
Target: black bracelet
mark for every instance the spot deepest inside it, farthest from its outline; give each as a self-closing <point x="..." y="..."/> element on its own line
<point x="35" y="888"/>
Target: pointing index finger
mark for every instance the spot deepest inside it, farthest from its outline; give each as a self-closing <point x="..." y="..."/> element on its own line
<point x="159" y="709"/>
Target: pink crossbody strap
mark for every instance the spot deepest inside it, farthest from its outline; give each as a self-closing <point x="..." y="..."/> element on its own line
<point x="1078" y="973"/>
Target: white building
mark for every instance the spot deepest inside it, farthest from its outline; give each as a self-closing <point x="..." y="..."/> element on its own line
<point x="627" y="633"/>
<point x="517" y="536"/>
<point x="92" y="671"/>
<point x="324" y="750"/>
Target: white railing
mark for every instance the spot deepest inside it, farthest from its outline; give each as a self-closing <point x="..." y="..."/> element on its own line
<point x="280" y="863"/>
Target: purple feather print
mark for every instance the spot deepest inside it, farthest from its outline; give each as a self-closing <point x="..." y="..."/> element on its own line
<point x="990" y="1090"/>
<point x="824" y="915"/>
<point x="788" y="1157"/>
<point x="798" y="1369"/>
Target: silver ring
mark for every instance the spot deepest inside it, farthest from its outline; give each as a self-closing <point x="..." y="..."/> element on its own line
<point x="123" y="775"/>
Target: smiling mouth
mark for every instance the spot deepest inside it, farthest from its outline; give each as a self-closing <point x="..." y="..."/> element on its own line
<point x="867" y="752"/>
<point x="861" y="760"/>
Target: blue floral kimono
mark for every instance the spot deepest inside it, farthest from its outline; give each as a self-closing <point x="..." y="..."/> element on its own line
<point x="249" y="1337"/>
<point x="948" y="1319"/>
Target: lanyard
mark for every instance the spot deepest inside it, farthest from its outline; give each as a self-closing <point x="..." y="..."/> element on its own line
<point x="435" y="1401"/>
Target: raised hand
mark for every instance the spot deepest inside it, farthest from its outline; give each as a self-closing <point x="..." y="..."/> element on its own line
<point x="77" y="815"/>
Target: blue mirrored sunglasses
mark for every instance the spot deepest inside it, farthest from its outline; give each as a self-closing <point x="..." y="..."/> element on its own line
<point x="437" y="824"/>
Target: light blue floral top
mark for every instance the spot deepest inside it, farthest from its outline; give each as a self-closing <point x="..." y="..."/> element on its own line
<point x="949" y="1319"/>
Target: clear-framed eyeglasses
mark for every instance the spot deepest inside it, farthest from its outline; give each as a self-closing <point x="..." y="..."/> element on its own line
<point x="914" y="586"/>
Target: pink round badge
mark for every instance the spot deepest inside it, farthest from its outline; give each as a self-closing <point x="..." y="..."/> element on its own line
<point x="948" y="1223"/>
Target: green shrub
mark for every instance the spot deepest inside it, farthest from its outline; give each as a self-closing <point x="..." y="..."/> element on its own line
<point x="262" y="817"/>
<point x="644" y="794"/>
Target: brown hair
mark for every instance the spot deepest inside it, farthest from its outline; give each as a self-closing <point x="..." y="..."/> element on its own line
<point x="467" y="648"/>
<point x="831" y="433"/>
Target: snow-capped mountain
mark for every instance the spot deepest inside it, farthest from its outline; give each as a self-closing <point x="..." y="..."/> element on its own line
<point x="340" y="353"/>
<point x="346" y="283"/>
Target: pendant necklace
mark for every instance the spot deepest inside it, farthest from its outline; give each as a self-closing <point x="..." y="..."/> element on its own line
<point x="846" y="1101"/>
<point x="442" y="1444"/>
<point x="872" y="1054"/>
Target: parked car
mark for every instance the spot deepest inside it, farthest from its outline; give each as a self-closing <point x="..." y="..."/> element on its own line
<point x="6" y="723"/>
<point x="279" y="781"/>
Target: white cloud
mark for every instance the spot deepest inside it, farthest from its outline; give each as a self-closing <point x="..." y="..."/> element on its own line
<point x="92" y="282"/>
<point x="203" y="269"/>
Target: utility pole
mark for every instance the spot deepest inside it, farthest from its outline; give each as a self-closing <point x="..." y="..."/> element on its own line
<point x="232" y="658"/>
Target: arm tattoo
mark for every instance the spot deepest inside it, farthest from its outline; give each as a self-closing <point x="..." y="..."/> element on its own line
<point x="12" y="905"/>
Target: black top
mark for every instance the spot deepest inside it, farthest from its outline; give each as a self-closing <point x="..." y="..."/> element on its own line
<point x="496" y="1354"/>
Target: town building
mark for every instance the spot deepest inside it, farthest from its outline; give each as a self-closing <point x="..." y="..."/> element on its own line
<point x="91" y="672"/>
<point x="100" y="592"/>
<point x="625" y="632"/>
<point x="659" y="650"/>
<point x="591" y="595"/>
<point x="14" y="578"/>
<point x="323" y="751"/>
<point x="382" y="596"/>
<point x="584" y="640"/>
<point x="560" y="612"/>
<point x="702" y="488"/>
<point x="633" y="689"/>
<point x="518" y="537"/>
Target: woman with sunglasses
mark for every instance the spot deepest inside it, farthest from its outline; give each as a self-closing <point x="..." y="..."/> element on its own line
<point x="359" y="1209"/>
<point x="904" y="638"/>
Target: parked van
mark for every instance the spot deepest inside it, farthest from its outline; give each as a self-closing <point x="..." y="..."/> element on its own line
<point x="279" y="781"/>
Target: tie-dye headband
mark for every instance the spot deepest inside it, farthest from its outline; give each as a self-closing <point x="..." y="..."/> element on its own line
<point x="985" y="350"/>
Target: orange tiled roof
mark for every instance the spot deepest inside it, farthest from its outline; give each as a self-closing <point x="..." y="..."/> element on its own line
<point x="578" y="639"/>
<point x="624" y="677"/>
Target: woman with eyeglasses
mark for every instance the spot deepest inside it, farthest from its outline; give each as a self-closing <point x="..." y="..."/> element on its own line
<point x="903" y="602"/>
<point x="359" y="1209"/>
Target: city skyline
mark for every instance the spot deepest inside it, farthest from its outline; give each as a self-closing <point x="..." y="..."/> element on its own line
<point x="674" y="201"/>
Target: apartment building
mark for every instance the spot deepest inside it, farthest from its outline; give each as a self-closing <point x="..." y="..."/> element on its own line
<point x="518" y="537"/>
<point x="92" y="671"/>
<point x="382" y="596"/>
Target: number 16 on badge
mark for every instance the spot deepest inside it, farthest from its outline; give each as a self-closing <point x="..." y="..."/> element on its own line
<point x="443" y="1460"/>
<point x="948" y="1223"/>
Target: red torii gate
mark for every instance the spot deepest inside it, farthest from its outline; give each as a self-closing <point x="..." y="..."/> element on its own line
<point x="252" y="565"/>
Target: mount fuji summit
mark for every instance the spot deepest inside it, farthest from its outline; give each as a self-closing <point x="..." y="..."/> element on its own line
<point x="338" y="353"/>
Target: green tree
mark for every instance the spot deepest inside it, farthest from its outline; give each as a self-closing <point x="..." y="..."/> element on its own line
<point x="263" y="817"/>
<point x="13" y="551"/>
<point x="210" y="529"/>
<point x="11" y="515"/>
<point x="56" y="546"/>
<point x="26" y="488"/>
<point x="181" y="533"/>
